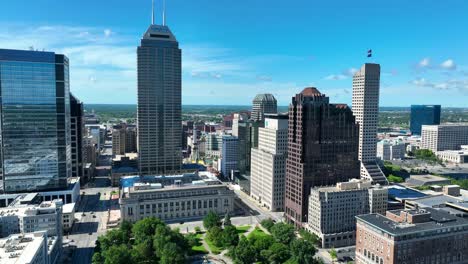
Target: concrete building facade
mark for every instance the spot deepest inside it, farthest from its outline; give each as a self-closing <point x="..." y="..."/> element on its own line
<point x="366" y="91"/>
<point x="46" y="216"/>
<point x="268" y="166"/>
<point x="31" y="248"/>
<point x="332" y="210"/>
<point x="411" y="236"/>
<point x="444" y="137"/>
<point x="391" y="150"/>
<point x="176" y="200"/>
<point x="454" y="156"/>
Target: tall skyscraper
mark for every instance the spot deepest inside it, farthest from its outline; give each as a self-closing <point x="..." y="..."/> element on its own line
<point x="241" y="126"/>
<point x="263" y="104"/>
<point x="322" y="149"/>
<point x="131" y="138"/>
<point x="77" y="133"/>
<point x="159" y="102"/>
<point x="119" y="139"/>
<point x="366" y="88"/>
<point x="35" y="121"/>
<point x="269" y="162"/>
<point x="423" y="115"/>
<point x="230" y="155"/>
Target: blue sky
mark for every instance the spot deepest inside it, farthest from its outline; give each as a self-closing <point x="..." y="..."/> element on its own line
<point x="235" y="49"/>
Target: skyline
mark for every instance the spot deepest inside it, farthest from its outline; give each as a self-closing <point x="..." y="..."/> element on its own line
<point x="228" y="61"/>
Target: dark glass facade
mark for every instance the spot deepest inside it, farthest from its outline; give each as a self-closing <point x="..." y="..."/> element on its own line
<point x="77" y="129"/>
<point x="159" y="102"/>
<point x="423" y="115"/>
<point x="322" y="149"/>
<point x="35" y="121"/>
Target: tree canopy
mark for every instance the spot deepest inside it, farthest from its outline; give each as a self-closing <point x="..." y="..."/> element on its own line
<point x="283" y="233"/>
<point x="147" y="241"/>
<point x="211" y="219"/>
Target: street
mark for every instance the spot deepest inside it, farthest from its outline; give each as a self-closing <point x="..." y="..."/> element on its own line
<point x="91" y="221"/>
<point x="91" y="214"/>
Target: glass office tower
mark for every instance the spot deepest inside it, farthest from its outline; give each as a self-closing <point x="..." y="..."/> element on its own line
<point x="423" y="115"/>
<point x="35" y="121"/>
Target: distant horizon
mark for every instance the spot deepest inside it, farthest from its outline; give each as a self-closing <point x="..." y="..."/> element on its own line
<point x="386" y="106"/>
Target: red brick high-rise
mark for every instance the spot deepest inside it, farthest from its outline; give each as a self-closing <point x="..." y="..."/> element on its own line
<point x="323" y="149"/>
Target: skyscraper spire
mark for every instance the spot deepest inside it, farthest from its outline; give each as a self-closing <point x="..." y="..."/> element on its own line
<point x="152" y="14"/>
<point x="164" y="13"/>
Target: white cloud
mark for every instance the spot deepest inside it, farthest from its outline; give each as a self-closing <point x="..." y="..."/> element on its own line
<point x="91" y="55"/>
<point x="217" y="75"/>
<point x="209" y="61"/>
<point x="461" y="85"/>
<point x="448" y="65"/>
<point x="264" y="78"/>
<point x="107" y="32"/>
<point x="424" y="63"/>
<point x="350" y="72"/>
<point x="336" y="77"/>
<point x="420" y="82"/>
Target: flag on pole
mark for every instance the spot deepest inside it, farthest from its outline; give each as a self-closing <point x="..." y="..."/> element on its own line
<point x="369" y="53"/>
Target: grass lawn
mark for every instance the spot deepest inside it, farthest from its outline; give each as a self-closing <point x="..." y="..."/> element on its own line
<point x="214" y="249"/>
<point x="199" y="248"/>
<point x="242" y="229"/>
<point x="257" y="232"/>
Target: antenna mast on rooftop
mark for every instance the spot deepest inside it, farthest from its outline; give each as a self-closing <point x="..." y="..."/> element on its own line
<point x="164" y="13"/>
<point x="152" y="14"/>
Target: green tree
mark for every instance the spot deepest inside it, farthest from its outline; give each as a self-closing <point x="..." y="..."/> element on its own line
<point x="144" y="242"/>
<point x="172" y="254"/>
<point x="164" y="235"/>
<point x="146" y="228"/>
<point x="143" y="251"/>
<point x="211" y="220"/>
<point x="277" y="253"/>
<point x="394" y="178"/>
<point x="112" y="237"/>
<point x="197" y="229"/>
<point x="333" y="254"/>
<point x="227" y="220"/>
<point x="283" y="233"/>
<point x="267" y="223"/>
<point x="215" y="235"/>
<point x="303" y="251"/>
<point x="126" y="228"/>
<point x="192" y="240"/>
<point x="244" y="253"/>
<point x="97" y="258"/>
<point x="230" y="236"/>
<point x="117" y="254"/>
<point x="306" y="235"/>
<point x="261" y="243"/>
